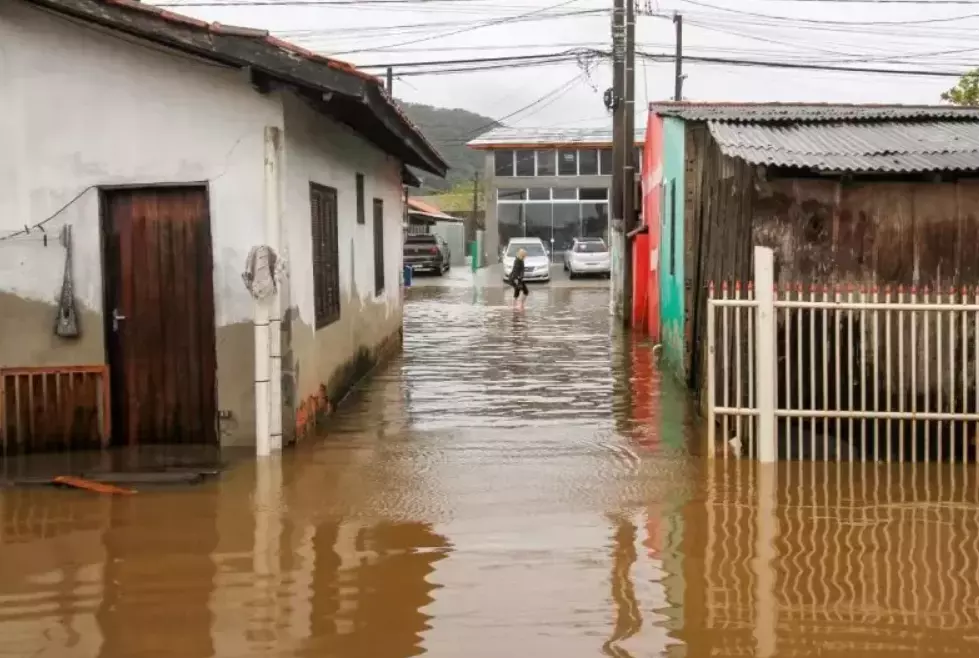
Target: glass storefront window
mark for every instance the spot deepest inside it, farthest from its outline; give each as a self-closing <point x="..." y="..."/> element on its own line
<point x="539" y="194"/>
<point x="567" y="227"/>
<point x="546" y="163"/>
<point x="539" y="222"/>
<point x="567" y="163"/>
<point x="511" y="194"/>
<point x="564" y="193"/>
<point x="510" y="217"/>
<point x="525" y="163"/>
<point x="593" y="194"/>
<point x="588" y="162"/>
<point x="605" y="162"/>
<point x="504" y="163"/>
<point x="594" y="220"/>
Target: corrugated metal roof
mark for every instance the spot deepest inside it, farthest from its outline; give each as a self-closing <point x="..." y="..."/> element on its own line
<point x="506" y="136"/>
<point x="891" y="146"/>
<point x="809" y="112"/>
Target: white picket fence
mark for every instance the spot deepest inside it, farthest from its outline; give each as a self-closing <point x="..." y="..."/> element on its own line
<point x="853" y="374"/>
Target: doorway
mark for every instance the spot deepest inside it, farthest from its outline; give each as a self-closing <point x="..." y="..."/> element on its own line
<point x="159" y="315"/>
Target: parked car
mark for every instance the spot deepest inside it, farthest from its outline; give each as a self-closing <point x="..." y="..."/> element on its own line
<point x="588" y="256"/>
<point x="427" y="252"/>
<point x="537" y="264"/>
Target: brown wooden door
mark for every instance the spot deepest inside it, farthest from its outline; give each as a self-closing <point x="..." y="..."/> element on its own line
<point x="159" y="315"/>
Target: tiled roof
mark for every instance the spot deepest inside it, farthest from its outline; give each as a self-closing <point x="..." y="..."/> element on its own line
<point x="808" y="112"/>
<point x="885" y="145"/>
<point x="420" y="207"/>
<point x="361" y="100"/>
<point x="507" y="137"/>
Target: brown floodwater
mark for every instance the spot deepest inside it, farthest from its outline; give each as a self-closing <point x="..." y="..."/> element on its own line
<point x="513" y="485"/>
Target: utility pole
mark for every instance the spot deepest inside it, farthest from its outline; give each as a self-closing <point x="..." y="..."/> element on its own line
<point x="678" y="58"/>
<point x="390" y="82"/>
<point x="629" y="166"/>
<point x="619" y="147"/>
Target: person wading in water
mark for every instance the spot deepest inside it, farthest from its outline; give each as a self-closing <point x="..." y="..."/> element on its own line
<point x="516" y="280"/>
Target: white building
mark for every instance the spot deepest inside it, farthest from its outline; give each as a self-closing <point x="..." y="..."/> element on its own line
<point x="171" y="148"/>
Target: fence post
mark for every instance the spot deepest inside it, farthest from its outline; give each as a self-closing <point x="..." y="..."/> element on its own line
<point x="711" y="373"/>
<point x="765" y="352"/>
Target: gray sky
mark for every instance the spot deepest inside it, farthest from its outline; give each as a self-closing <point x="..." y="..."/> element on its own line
<point x="875" y="34"/>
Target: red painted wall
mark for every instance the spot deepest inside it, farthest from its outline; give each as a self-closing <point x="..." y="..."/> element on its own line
<point x="652" y="177"/>
<point x="640" y="282"/>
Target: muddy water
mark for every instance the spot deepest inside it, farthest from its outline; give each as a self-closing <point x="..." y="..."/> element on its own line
<point x="514" y="485"/>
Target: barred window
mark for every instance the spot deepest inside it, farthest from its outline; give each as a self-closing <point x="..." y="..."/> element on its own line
<point x="326" y="254"/>
<point x="378" y="246"/>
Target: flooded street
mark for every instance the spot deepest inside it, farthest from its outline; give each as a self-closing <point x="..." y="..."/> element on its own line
<point x="514" y="484"/>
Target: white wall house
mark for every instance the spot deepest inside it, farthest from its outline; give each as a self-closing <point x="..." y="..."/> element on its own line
<point x="171" y="148"/>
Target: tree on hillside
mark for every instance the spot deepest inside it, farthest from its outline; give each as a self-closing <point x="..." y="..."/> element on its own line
<point x="966" y="91"/>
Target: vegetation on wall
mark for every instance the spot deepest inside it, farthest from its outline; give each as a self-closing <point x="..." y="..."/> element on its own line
<point x="449" y="130"/>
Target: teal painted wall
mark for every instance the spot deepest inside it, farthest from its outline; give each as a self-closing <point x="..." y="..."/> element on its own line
<point x="671" y="246"/>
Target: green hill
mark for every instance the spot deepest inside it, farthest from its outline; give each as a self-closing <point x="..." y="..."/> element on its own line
<point x="449" y="130"/>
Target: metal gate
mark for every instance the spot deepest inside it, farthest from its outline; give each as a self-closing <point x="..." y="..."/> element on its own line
<point x="843" y="374"/>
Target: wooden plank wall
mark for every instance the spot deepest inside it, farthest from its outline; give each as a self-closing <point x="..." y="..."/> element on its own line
<point x="832" y="232"/>
<point x="719" y="197"/>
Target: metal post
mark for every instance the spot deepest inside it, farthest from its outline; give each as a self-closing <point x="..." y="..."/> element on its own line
<point x="765" y="352"/>
<point x="619" y="145"/>
<point x="390" y="82"/>
<point x="678" y="59"/>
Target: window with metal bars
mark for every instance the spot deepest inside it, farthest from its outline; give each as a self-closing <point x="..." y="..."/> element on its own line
<point x="361" y="210"/>
<point x="378" y="246"/>
<point x="326" y="254"/>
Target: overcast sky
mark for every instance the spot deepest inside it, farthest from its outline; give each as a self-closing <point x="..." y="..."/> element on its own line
<point x="936" y="35"/>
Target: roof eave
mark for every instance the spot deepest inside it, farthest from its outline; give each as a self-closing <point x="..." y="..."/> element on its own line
<point x="239" y="48"/>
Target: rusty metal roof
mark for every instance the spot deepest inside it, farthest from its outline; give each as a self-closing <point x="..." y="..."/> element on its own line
<point x="885" y="146"/>
<point x="340" y="89"/>
<point x="507" y="137"/>
<point x="807" y="112"/>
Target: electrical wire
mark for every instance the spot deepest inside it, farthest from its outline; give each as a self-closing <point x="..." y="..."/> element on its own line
<point x="443" y="35"/>
<point x="817" y="21"/>
<point x="548" y="98"/>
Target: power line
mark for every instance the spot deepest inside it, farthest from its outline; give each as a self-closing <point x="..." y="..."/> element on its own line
<point x="493" y="63"/>
<point x="947" y="19"/>
<point x="888" y="2"/>
<point x="498" y="21"/>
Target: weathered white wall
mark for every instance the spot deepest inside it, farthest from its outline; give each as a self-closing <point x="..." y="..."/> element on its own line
<point x="83" y="108"/>
<point x="320" y="151"/>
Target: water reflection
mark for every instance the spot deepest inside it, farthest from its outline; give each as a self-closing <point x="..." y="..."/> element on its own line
<point x="515" y="484"/>
<point x="628" y="617"/>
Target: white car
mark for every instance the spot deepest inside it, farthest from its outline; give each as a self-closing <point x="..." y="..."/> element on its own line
<point x="537" y="264"/>
<point x="588" y="256"/>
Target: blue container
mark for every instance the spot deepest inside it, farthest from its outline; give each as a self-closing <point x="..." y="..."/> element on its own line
<point x="407" y="276"/>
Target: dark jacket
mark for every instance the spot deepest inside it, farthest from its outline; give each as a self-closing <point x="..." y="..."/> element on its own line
<point x="516" y="274"/>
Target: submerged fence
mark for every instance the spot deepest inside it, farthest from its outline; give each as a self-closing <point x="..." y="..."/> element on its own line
<point x="843" y="374"/>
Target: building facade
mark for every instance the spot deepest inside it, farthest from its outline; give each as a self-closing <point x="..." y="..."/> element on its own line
<point x="549" y="184"/>
<point x="184" y="146"/>
<point x="861" y="196"/>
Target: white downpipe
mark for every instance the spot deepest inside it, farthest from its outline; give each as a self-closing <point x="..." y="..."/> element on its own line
<point x="273" y="238"/>
<point x="263" y="444"/>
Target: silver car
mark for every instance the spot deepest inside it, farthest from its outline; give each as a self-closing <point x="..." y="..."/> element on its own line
<point x="588" y="256"/>
<point x="537" y="264"/>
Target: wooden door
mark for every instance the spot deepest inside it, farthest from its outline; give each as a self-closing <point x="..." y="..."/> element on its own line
<point x="159" y="315"/>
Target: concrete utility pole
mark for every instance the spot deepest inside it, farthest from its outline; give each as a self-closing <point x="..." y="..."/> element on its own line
<point x="390" y="85"/>
<point x="678" y="59"/>
<point x="619" y="147"/>
<point x="629" y="166"/>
